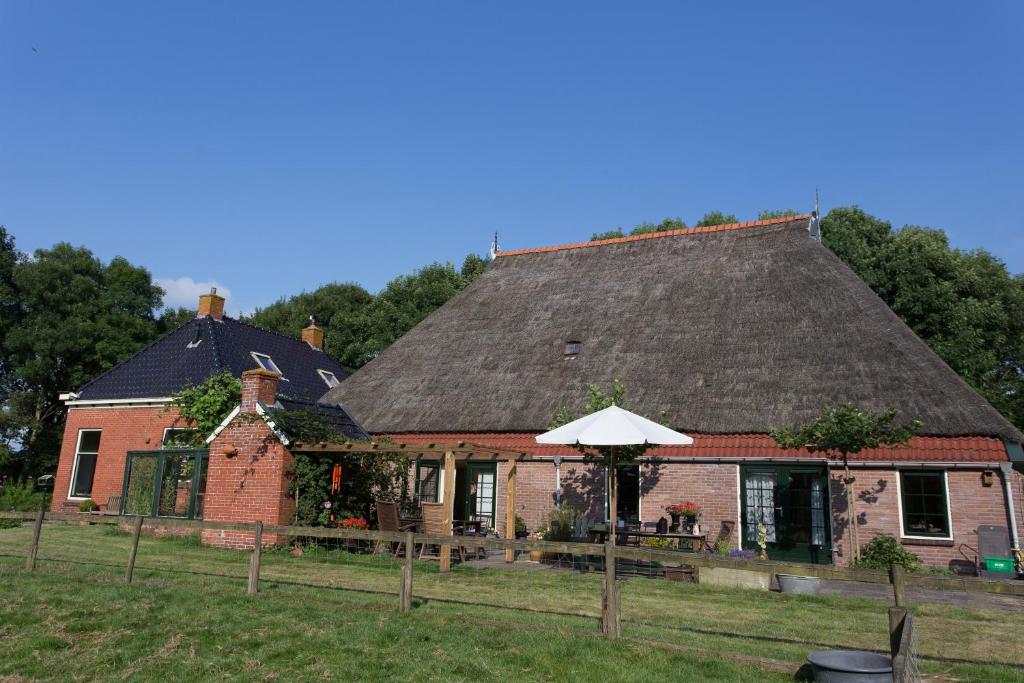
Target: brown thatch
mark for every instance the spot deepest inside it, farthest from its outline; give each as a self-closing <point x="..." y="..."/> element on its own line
<point x="728" y="331"/>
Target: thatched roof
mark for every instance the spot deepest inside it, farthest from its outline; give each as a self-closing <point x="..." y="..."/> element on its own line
<point x="724" y="330"/>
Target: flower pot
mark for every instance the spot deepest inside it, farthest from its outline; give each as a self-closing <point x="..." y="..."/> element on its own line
<point x="536" y="555"/>
<point x="675" y="523"/>
<point x="799" y="585"/>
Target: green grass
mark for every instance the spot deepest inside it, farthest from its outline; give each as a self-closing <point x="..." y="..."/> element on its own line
<point x="332" y="615"/>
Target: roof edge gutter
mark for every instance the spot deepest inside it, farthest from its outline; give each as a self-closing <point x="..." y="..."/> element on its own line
<point x="72" y="401"/>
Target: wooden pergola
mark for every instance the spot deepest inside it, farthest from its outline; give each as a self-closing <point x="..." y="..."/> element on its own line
<point x="448" y="454"/>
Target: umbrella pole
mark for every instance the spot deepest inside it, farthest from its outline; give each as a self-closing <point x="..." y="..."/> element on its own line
<point x="614" y="512"/>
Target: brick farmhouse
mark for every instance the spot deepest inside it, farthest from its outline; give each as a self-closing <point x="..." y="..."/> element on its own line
<point x="723" y="333"/>
<point x="126" y="448"/>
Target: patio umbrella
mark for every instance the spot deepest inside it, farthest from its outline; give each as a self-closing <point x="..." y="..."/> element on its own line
<point x="612" y="427"/>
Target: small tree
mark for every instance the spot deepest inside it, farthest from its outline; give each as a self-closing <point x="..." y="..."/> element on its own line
<point x="610" y="456"/>
<point x="847" y="430"/>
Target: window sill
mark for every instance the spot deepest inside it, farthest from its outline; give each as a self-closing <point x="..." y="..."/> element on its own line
<point x="934" y="542"/>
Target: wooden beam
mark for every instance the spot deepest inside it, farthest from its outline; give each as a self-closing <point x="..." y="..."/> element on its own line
<point x="449" y="508"/>
<point x="510" y="510"/>
<point x="462" y="450"/>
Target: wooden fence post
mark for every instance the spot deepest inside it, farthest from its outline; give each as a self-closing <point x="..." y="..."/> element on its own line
<point x="510" y="510"/>
<point x="135" y="549"/>
<point x="405" y="590"/>
<point x="610" y="604"/>
<point x="254" y="562"/>
<point x="33" y="549"/>
<point x="445" y="564"/>
<point x="901" y="640"/>
<point x="898" y="591"/>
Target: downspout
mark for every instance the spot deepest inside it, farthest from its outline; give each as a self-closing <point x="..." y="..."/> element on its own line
<point x="558" y="480"/>
<point x="1006" y="469"/>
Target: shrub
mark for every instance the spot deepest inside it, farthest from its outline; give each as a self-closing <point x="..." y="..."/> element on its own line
<point x="883" y="551"/>
<point x="88" y="505"/>
<point x="6" y="523"/>
<point x="657" y="542"/>
<point x="521" y="531"/>
<point x="561" y="524"/>
<point x="21" y="496"/>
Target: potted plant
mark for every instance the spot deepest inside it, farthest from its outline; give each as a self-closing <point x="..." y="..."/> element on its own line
<point x="357" y="523"/>
<point x="689" y="512"/>
<point x="538" y="535"/>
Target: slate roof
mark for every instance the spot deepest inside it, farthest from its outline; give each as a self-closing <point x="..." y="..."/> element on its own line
<point x="334" y="416"/>
<point x="205" y="346"/>
<point x="725" y="330"/>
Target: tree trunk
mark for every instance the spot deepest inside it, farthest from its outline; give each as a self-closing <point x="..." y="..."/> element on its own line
<point x="614" y="494"/>
<point x="851" y="508"/>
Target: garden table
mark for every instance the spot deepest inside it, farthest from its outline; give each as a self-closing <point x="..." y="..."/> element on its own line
<point x="698" y="542"/>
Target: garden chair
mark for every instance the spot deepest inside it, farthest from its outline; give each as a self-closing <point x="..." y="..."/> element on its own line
<point x="113" y="506"/>
<point x="387" y="520"/>
<point x="434" y="525"/>
<point x="724" y="535"/>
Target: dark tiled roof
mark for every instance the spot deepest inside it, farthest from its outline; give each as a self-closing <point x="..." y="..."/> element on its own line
<point x="203" y="347"/>
<point x="334" y="416"/>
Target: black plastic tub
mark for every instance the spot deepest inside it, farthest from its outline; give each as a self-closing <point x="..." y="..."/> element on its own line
<point x="850" y="666"/>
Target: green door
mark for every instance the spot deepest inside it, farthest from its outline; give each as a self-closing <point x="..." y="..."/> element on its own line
<point x="481" y="484"/>
<point x="792" y="503"/>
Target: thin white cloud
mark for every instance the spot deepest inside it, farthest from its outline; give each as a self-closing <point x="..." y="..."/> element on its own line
<point x="184" y="291"/>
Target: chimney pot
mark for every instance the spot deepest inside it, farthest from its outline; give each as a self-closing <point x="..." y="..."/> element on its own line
<point x="211" y="304"/>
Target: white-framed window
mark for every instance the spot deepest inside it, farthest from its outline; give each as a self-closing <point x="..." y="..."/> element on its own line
<point x="265" y="362"/>
<point x="179" y="437"/>
<point x="329" y="378"/>
<point x="87" y="452"/>
<point x="923" y="497"/>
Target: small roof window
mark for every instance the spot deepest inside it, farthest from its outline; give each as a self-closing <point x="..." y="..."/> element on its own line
<point x="266" y="362"/>
<point x="329" y="378"/>
<point x="572" y="348"/>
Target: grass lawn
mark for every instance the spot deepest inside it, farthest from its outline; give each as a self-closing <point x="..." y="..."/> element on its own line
<point x="186" y="616"/>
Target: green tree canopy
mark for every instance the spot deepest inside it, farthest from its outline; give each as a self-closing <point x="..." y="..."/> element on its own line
<point x="205" y="405"/>
<point x="964" y="304"/>
<point x="716" y="218"/>
<point x="74" y="317"/>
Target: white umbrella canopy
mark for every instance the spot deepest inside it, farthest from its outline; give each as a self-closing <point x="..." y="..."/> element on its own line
<point x="614" y="426"/>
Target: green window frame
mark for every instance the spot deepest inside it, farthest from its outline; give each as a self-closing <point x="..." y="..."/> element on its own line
<point x="924" y="499"/>
<point x="170" y="482"/>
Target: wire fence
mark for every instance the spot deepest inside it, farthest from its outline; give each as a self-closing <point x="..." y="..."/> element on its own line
<point x="600" y="584"/>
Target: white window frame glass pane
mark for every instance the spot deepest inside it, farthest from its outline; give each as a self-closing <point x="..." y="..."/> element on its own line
<point x="72" y="485"/>
<point x="329" y="378"/>
<point x="265" y="362"/>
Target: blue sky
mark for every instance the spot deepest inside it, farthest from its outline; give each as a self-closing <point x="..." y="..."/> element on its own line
<point x="273" y="147"/>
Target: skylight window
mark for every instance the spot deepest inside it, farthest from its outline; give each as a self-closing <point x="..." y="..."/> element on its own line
<point x="329" y="378"/>
<point x="572" y="348"/>
<point x="266" y="362"/>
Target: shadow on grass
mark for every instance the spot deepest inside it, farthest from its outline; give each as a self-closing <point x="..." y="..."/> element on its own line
<point x="423" y="601"/>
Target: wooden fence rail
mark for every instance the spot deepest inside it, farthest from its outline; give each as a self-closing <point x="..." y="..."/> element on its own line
<point x="670" y="557"/>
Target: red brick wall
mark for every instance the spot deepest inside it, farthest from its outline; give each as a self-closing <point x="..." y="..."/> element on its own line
<point x="970" y="503"/>
<point x="712" y="486"/>
<point x="251" y="485"/>
<point x="123" y="430"/>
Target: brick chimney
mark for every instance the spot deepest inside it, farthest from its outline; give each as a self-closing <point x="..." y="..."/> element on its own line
<point x="258" y="385"/>
<point x="313" y="335"/>
<point x="211" y="304"/>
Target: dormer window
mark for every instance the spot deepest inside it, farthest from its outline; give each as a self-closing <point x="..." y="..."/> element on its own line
<point x="329" y="378"/>
<point x="266" y="362"/>
<point x="572" y="349"/>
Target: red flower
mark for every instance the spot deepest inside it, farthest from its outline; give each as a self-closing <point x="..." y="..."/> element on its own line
<point x="353" y="523"/>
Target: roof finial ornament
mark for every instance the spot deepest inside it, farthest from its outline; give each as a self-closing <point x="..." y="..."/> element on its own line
<point x="312" y="321"/>
<point x="494" y="246"/>
<point x="815" y="226"/>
